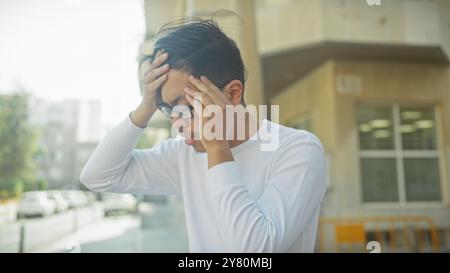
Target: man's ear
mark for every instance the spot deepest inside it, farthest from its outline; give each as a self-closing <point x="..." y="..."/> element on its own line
<point x="234" y="91"/>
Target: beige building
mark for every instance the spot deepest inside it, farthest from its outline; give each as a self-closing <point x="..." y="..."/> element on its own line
<point x="373" y="82"/>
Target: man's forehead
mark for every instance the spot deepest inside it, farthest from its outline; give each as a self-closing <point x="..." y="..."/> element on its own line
<point x="173" y="89"/>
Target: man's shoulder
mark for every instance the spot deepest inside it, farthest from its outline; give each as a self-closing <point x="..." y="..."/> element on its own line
<point x="297" y="150"/>
<point x="289" y="137"/>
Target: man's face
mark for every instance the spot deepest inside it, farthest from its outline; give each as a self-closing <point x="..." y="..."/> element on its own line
<point x="172" y="93"/>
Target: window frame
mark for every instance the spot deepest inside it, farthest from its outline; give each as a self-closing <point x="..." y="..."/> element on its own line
<point x="399" y="154"/>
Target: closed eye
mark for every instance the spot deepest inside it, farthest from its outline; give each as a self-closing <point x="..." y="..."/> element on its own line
<point x="176" y="100"/>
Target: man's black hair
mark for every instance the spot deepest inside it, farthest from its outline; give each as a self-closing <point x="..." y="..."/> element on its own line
<point x="199" y="47"/>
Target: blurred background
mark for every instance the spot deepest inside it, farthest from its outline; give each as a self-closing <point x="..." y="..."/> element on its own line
<point x="370" y="78"/>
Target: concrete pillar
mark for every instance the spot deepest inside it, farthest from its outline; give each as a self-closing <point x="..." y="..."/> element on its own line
<point x="157" y="13"/>
<point x="247" y="41"/>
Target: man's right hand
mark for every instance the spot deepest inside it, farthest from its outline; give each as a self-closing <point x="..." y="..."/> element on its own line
<point x="153" y="79"/>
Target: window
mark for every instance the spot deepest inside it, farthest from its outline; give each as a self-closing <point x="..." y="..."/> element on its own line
<point x="399" y="154"/>
<point x="380" y="179"/>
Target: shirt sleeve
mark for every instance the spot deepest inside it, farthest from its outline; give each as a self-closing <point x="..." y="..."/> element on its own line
<point x="115" y="166"/>
<point x="292" y="196"/>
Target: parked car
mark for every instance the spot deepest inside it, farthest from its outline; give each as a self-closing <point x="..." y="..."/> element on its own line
<point x="76" y="198"/>
<point x="35" y="203"/>
<point x="114" y="202"/>
<point x="61" y="203"/>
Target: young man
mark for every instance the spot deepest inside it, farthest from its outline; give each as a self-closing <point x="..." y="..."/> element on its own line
<point x="237" y="196"/>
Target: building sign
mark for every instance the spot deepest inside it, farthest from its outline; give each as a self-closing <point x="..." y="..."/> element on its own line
<point x="349" y="84"/>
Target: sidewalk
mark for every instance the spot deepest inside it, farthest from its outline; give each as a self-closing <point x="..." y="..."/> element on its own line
<point x="8" y="210"/>
<point x="159" y="228"/>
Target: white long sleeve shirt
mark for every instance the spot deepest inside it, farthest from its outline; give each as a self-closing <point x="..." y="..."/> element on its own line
<point x="264" y="201"/>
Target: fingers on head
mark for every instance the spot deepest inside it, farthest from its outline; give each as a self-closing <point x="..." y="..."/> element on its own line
<point x="152" y="86"/>
<point x="156" y="73"/>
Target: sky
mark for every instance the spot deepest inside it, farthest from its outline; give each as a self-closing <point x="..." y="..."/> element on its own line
<point x="73" y="49"/>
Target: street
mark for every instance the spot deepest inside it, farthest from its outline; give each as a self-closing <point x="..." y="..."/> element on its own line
<point x="155" y="228"/>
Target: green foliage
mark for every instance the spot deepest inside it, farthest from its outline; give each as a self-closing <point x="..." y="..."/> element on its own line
<point x="18" y="145"/>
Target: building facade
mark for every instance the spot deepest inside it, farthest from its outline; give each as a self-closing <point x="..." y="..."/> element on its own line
<point x="69" y="132"/>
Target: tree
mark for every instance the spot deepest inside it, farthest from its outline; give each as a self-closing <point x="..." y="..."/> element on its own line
<point x="18" y="145"/>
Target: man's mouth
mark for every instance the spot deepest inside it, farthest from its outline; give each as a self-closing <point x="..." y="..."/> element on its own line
<point x="189" y="141"/>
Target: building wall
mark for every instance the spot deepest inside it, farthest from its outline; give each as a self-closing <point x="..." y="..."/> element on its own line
<point x="303" y="20"/>
<point x="312" y="96"/>
<point x="406" y="22"/>
<point x="334" y="120"/>
<point x="390" y="83"/>
<point x="69" y="129"/>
